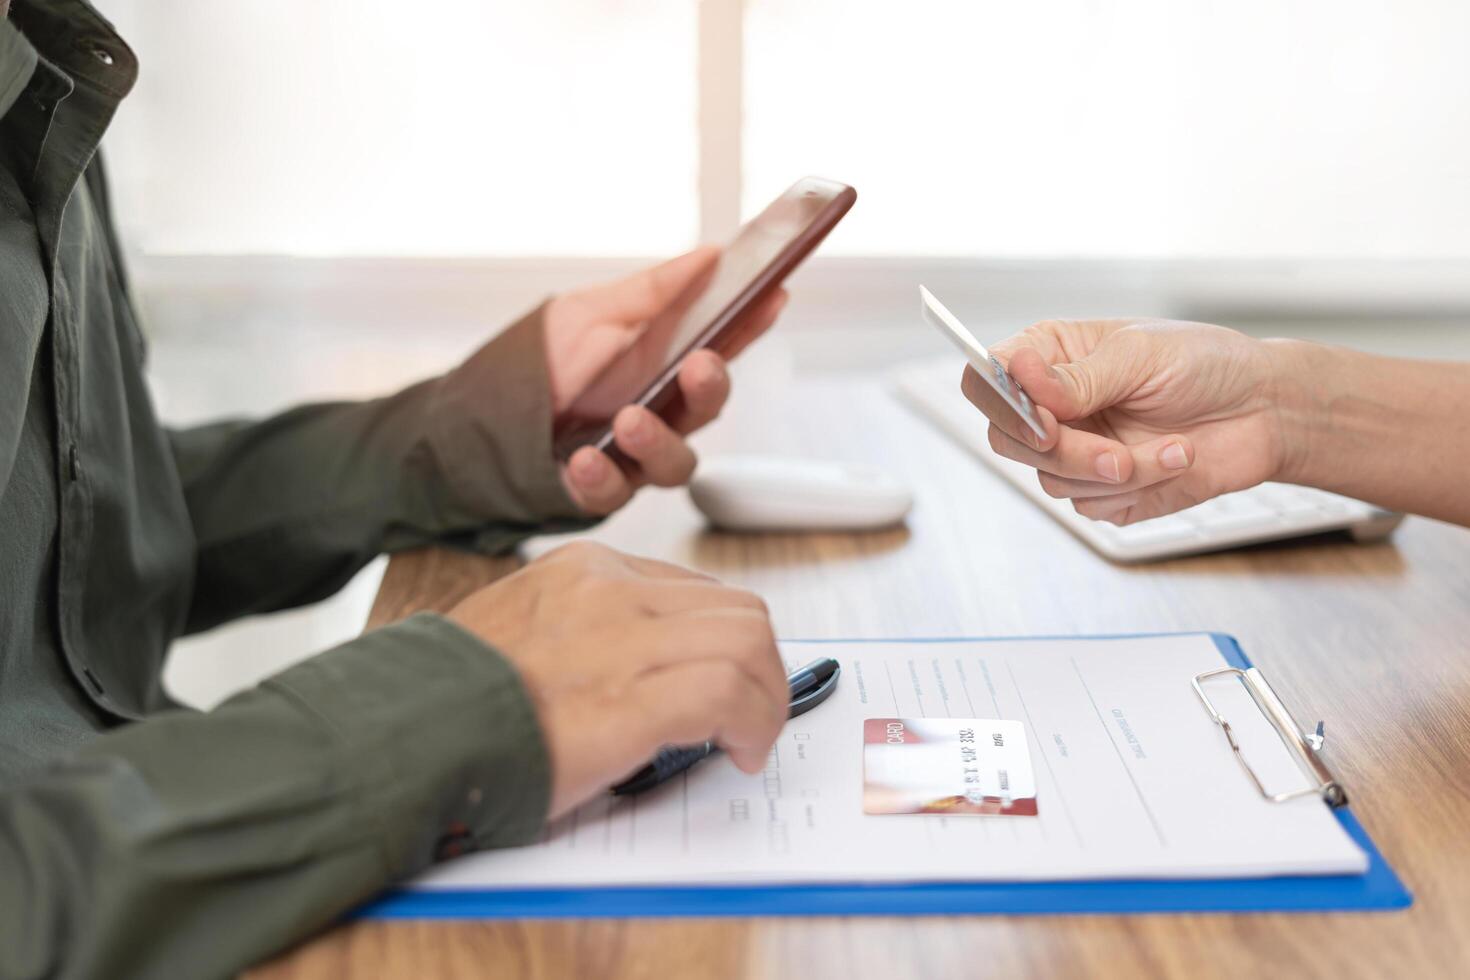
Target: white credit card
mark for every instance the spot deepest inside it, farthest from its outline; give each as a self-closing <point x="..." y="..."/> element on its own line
<point x="948" y="766"/>
<point x="981" y="360"/>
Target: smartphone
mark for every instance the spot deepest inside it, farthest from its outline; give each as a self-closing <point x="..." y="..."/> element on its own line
<point x="767" y="249"/>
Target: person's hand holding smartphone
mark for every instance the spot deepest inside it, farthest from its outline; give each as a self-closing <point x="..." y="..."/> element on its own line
<point x="603" y="344"/>
<point x="638" y="364"/>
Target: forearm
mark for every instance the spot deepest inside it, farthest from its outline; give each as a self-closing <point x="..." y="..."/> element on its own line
<point x="286" y="509"/>
<point x="1390" y="431"/>
<point x="196" y="844"/>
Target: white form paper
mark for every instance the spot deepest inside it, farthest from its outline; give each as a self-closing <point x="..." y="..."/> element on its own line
<point x="1134" y="781"/>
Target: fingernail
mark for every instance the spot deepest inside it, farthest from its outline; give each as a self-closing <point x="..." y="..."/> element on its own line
<point x="1173" y="457"/>
<point x="1106" y="465"/>
<point x="711" y="377"/>
<point x="637" y="432"/>
<point x="589" y="468"/>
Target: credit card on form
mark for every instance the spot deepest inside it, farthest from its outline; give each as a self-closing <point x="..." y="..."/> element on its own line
<point x="949" y="766"/>
<point x="981" y="360"/>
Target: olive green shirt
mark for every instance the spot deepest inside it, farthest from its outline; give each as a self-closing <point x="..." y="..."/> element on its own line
<point x="138" y="838"/>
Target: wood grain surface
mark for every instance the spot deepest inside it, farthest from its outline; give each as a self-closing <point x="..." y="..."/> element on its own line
<point x="1374" y="639"/>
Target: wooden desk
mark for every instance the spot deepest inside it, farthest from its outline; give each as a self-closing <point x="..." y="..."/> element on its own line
<point x="1375" y="639"/>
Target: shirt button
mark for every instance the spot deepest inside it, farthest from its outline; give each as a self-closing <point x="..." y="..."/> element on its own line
<point x="96" y="50"/>
<point x="74" y="462"/>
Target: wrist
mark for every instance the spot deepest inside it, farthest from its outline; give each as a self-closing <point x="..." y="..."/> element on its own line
<point x="1294" y="396"/>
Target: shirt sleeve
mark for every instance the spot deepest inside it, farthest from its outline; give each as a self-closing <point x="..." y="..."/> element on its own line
<point x="196" y="844"/>
<point x="287" y="509"/>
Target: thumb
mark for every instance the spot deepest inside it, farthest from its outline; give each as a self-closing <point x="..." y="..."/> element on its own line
<point x="649" y="292"/>
<point x="1075" y="389"/>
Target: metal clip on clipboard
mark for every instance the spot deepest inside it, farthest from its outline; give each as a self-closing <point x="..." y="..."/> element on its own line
<point x="1304" y="746"/>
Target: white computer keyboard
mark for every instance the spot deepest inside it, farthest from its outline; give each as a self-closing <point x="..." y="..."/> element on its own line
<point x="1268" y="512"/>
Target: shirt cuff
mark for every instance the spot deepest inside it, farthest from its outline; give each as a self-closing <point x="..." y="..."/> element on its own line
<point x="490" y="431"/>
<point x="442" y="733"/>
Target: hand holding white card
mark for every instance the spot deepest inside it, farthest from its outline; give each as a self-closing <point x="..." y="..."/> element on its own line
<point x="982" y="361"/>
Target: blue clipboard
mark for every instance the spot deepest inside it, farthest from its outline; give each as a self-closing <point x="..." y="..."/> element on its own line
<point x="1377" y="889"/>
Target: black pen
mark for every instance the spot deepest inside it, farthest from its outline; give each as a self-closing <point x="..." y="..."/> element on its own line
<point x="809" y="687"/>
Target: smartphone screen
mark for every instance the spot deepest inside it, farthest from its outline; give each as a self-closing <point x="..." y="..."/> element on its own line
<point x="764" y="252"/>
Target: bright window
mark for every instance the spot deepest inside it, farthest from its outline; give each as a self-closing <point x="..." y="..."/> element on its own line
<point x="1155" y="128"/>
<point x="987" y="128"/>
<point x="440" y="127"/>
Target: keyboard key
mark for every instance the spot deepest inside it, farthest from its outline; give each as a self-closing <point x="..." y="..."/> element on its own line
<point x="1234" y="512"/>
<point x="1158" y="531"/>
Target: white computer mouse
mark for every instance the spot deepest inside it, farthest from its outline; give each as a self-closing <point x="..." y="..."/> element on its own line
<point x="768" y="493"/>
